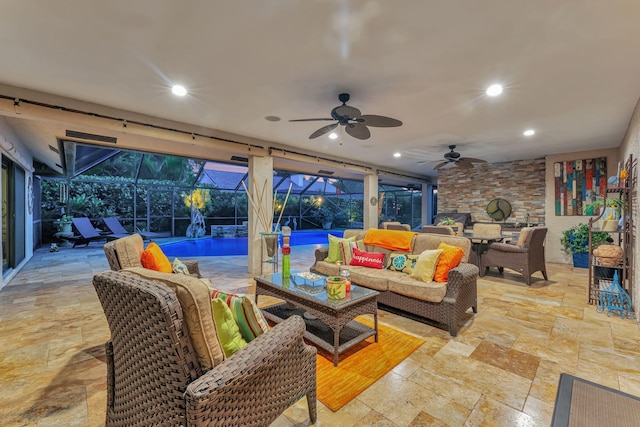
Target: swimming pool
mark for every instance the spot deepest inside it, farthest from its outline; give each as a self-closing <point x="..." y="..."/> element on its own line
<point x="238" y="245"/>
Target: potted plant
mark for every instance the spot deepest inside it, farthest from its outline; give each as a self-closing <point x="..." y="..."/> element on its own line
<point x="64" y="224"/>
<point x="575" y="241"/>
<point x="614" y="207"/>
<point x="448" y="221"/>
<point x="324" y="216"/>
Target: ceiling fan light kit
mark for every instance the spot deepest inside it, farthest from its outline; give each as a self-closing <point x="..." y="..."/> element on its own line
<point x="355" y="123"/>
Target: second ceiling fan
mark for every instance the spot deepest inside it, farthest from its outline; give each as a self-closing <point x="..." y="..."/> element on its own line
<point x="461" y="162"/>
<point x="355" y="123"/>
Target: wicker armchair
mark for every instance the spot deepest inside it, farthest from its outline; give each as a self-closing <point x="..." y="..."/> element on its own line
<point x="153" y="374"/>
<point x="401" y="227"/>
<point x="127" y="251"/>
<point x="526" y="256"/>
<point x="385" y="224"/>
<point x="438" y="229"/>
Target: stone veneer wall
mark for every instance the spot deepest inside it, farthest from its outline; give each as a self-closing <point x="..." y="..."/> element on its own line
<point x="521" y="183"/>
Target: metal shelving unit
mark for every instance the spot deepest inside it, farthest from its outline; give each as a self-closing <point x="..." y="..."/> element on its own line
<point x="600" y="276"/>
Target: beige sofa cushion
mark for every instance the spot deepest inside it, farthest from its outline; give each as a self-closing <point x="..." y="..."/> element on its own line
<point x="406" y="285"/>
<point x="194" y="295"/>
<point x="431" y="241"/>
<point x="327" y="268"/>
<point x="524" y="234"/>
<point x="129" y="250"/>
<point x="358" y="234"/>
<point x="371" y="278"/>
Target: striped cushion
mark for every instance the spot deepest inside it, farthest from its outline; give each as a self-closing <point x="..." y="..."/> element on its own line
<point x="346" y="248"/>
<point x="248" y="317"/>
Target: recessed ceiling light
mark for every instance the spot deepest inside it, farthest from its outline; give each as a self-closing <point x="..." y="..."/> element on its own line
<point x="494" y="90"/>
<point x="333" y="135"/>
<point x="397" y="154"/>
<point x="179" y="90"/>
<point x="529" y="132"/>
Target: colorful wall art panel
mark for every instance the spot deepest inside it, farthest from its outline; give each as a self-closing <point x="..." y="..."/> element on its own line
<point x="579" y="183"/>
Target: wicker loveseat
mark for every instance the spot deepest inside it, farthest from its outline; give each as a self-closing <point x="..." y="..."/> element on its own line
<point x="442" y="302"/>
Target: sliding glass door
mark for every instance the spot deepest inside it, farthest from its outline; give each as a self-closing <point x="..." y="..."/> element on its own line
<point x="13" y="215"/>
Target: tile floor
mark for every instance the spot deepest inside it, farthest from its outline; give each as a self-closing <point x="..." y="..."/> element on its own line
<point x="501" y="370"/>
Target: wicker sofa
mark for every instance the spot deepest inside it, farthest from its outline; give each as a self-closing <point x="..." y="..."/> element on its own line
<point x="442" y="302"/>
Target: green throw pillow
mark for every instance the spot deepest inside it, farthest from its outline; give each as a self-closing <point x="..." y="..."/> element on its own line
<point x="228" y="332"/>
<point x="248" y="317"/>
<point x="335" y="254"/>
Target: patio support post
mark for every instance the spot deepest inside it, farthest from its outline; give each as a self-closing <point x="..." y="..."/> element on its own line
<point x="370" y="210"/>
<point x="427" y="204"/>
<point x="260" y="185"/>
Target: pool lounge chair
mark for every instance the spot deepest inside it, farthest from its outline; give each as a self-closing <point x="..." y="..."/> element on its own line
<point x="87" y="231"/>
<point x="114" y="225"/>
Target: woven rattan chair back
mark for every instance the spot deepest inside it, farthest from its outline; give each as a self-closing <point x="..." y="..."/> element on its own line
<point x="401" y="227"/>
<point x="150" y="362"/>
<point x="438" y="229"/>
<point x="484" y="230"/>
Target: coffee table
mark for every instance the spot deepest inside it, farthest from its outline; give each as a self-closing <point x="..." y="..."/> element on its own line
<point x="333" y="328"/>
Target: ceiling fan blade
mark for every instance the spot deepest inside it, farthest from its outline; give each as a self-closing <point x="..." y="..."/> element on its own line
<point x="358" y="130"/>
<point x="323" y="130"/>
<point x="472" y="160"/>
<point x="462" y="164"/>
<point x="347" y="111"/>
<point x="441" y="165"/>
<point x="310" y="120"/>
<point x="380" y="121"/>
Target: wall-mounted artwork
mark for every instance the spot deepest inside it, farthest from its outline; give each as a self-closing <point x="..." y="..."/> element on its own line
<point x="578" y="183"/>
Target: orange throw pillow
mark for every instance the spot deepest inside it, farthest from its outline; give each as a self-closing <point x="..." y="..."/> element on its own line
<point x="450" y="258"/>
<point x="154" y="259"/>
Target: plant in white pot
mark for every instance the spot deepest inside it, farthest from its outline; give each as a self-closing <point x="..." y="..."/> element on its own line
<point x="64" y="224"/>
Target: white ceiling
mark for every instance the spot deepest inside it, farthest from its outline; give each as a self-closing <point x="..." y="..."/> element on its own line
<point x="571" y="69"/>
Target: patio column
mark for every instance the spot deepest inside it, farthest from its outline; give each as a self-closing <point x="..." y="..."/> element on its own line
<point x="260" y="174"/>
<point x="370" y="202"/>
<point x="427" y="204"/>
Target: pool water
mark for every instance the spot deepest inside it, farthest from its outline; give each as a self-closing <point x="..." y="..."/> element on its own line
<point x="238" y="245"/>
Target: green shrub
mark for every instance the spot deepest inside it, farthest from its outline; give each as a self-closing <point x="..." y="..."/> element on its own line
<point x="575" y="240"/>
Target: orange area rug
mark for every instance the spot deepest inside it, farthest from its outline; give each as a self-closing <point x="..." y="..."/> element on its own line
<point x="361" y="365"/>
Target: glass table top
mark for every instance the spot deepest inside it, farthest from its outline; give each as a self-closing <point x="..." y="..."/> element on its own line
<point x="312" y="286"/>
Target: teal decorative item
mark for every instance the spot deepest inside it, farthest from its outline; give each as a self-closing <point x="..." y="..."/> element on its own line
<point x="615" y="298"/>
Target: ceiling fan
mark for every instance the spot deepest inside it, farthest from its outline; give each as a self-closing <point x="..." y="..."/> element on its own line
<point x="355" y="123"/>
<point x="453" y="157"/>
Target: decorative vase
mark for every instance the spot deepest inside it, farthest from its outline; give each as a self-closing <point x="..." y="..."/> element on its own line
<point x="336" y="287"/>
<point x="286" y="261"/>
<point x="271" y="242"/>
